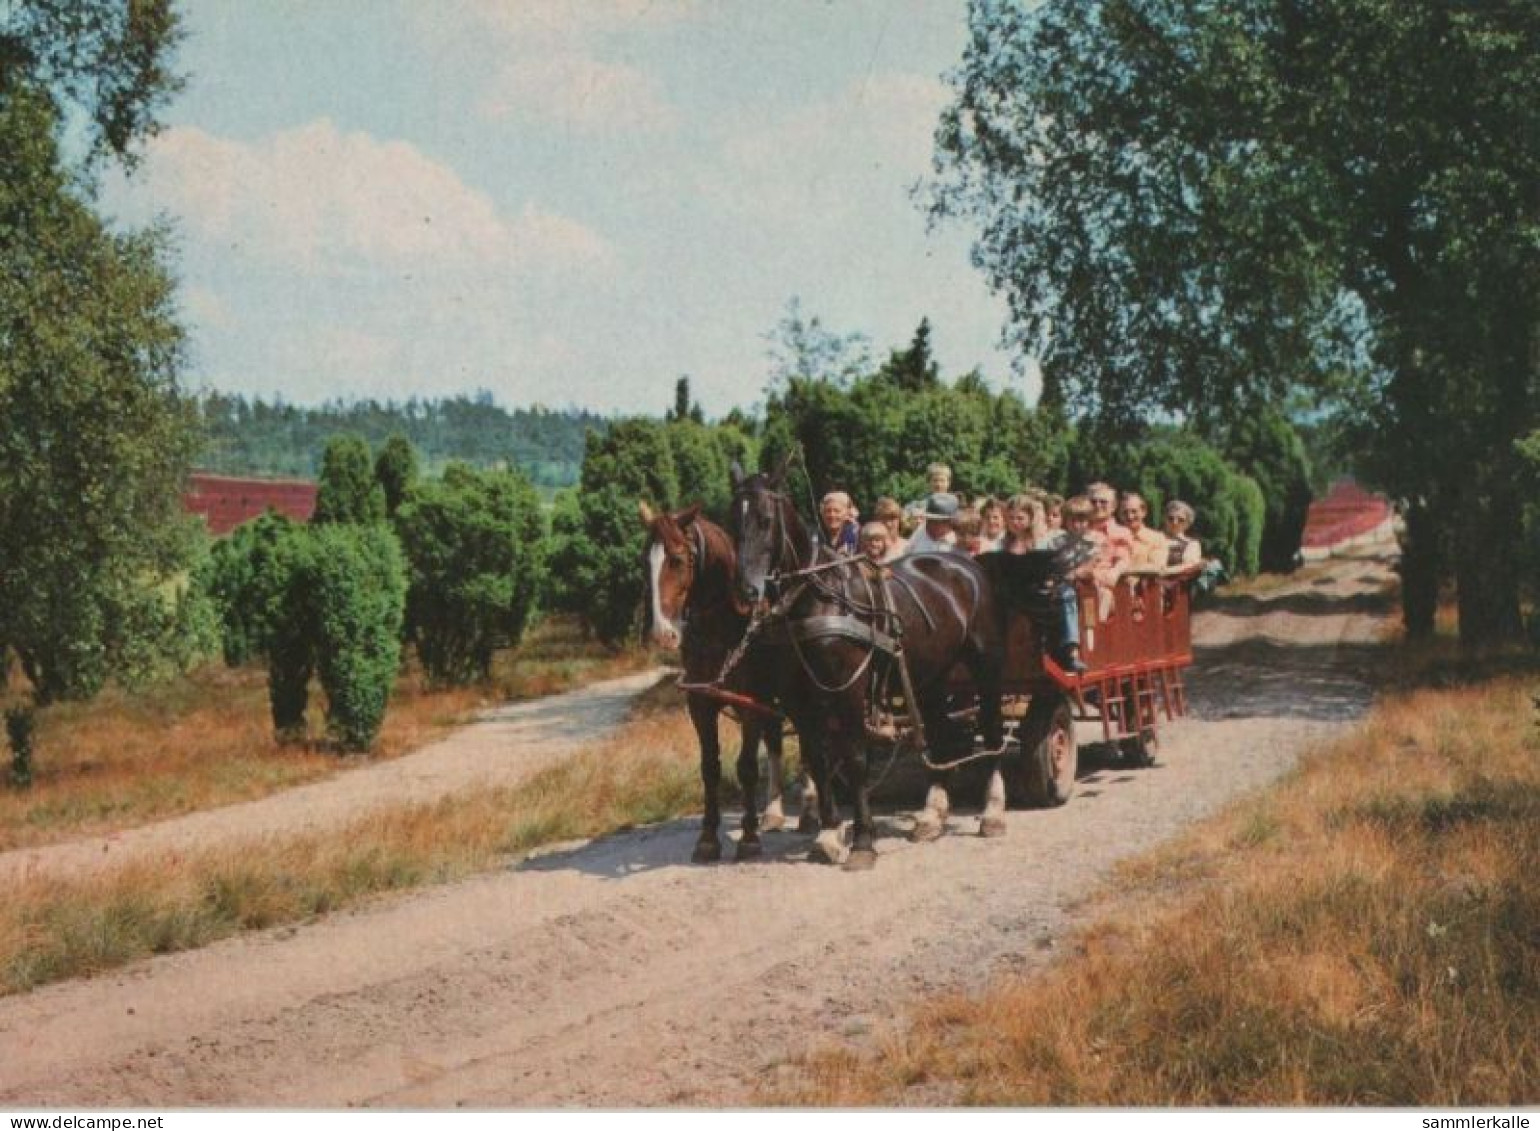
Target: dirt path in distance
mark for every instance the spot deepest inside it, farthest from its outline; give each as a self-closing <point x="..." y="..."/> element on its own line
<point x="502" y="747"/>
<point x="617" y="974"/>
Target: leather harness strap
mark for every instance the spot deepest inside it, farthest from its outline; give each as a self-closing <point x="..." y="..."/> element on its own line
<point x="840" y="625"/>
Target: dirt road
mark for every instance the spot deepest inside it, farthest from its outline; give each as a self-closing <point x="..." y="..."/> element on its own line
<point x="616" y="974"/>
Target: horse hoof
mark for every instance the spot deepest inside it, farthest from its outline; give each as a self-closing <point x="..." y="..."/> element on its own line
<point x="748" y="850"/>
<point x="808" y="823"/>
<point x="706" y="852"/>
<point x="827" y="849"/>
<point x="992" y="827"/>
<point x="861" y="860"/>
<point x="926" y="829"/>
<point x="772" y="823"/>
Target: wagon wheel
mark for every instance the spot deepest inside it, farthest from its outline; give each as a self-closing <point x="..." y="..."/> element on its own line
<point x="1049" y="757"/>
<point x="1139" y="750"/>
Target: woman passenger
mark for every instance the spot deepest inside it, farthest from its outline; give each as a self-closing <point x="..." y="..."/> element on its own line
<point x="1185" y="550"/>
<point x="890" y="514"/>
<point x="1024" y="526"/>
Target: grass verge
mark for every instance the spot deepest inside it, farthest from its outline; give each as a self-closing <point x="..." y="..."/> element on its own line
<point x="206" y="739"/>
<point x="1363" y="933"/>
<point x="51" y="930"/>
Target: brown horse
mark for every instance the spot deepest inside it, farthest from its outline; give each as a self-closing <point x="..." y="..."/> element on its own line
<point x="836" y="642"/>
<point x="693" y="606"/>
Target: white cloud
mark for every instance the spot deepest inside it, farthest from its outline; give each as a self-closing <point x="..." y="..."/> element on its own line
<point x="555" y="60"/>
<point x="833" y="158"/>
<point x="321" y="201"/>
<point x="318" y="261"/>
<point x="575" y="91"/>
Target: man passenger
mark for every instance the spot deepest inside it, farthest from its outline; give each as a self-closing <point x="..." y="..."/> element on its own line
<point x="1150" y="547"/>
<point x="937" y="534"/>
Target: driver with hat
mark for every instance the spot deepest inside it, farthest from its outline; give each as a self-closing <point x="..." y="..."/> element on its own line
<point x="937" y="534"/>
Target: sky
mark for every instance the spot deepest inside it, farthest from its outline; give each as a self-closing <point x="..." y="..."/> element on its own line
<point x="564" y="202"/>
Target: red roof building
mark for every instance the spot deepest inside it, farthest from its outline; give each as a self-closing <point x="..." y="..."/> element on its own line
<point x="1348" y="517"/>
<point x="226" y="501"/>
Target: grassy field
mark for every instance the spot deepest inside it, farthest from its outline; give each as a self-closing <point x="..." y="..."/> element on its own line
<point x="206" y="740"/>
<point x="1367" y="932"/>
<point x="51" y="930"/>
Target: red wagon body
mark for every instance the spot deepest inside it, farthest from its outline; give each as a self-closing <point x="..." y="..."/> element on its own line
<point x="1134" y="658"/>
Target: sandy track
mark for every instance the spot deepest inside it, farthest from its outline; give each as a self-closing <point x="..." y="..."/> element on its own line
<point x="615" y="974"/>
<point x="504" y="746"/>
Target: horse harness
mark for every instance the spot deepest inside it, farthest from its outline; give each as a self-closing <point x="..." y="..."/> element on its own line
<point x="882" y="634"/>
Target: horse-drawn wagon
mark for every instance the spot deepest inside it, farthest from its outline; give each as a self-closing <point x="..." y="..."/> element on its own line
<point x="1133" y="656"/>
<point x="941" y="653"/>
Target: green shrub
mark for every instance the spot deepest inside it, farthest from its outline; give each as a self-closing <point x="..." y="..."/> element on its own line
<point x="289" y="629"/>
<point x="167" y="629"/>
<point x="1267" y="447"/>
<point x="395" y="469"/>
<point x="357" y="584"/>
<point x="245" y="577"/>
<point x="336" y="614"/>
<point x="474" y="545"/>
<point x="348" y="491"/>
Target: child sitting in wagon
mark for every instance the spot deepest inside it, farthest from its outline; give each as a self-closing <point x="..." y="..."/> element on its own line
<point x="1076" y="556"/>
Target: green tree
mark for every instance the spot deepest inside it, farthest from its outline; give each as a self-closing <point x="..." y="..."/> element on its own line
<point x="802" y="346"/>
<point x="348" y="491"/>
<point x="103" y="62"/>
<point x="700" y="466"/>
<point x="632" y="461"/>
<point x="873" y="436"/>
<point x="570" y="575"/>
<point x="395" y="469"/>
<point x="1200" y="207"/>
<point x="914" y="368"/>
<point x="95" y="434"/>
<point x="684" y="408"/>
<point x="473" y="543"/>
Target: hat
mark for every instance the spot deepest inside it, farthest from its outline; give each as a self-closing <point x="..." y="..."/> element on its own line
<point x="942" y="506"/>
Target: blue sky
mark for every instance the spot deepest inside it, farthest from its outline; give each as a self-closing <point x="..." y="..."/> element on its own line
<point x="566" y="203"/>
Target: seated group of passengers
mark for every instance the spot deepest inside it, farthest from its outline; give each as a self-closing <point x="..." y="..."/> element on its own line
<point x="1030" y="521"/>
<point x="1033" y="520"/>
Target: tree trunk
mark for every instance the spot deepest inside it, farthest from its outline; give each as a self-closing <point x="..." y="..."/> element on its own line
<point x="1487" y="574"/>
<point x="1420" y="568"/>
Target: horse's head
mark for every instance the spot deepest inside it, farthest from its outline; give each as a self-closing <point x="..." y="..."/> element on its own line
<point x="671" y="569"/>
<point x="767" y="535"/>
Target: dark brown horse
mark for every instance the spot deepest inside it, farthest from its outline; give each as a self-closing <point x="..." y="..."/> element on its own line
<point x="836" y="627"/>
<point x="694" y="607"/>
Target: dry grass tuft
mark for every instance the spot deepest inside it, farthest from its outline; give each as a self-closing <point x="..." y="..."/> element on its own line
<point x="1365" y="933"/>
<point x="51" y="930"/>
<point x="206" y="740"/>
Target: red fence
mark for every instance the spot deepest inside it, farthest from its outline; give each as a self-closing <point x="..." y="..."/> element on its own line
<point x="226" y="502"/>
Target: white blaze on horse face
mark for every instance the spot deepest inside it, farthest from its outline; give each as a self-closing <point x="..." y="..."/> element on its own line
<point x="664" y="632"/>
